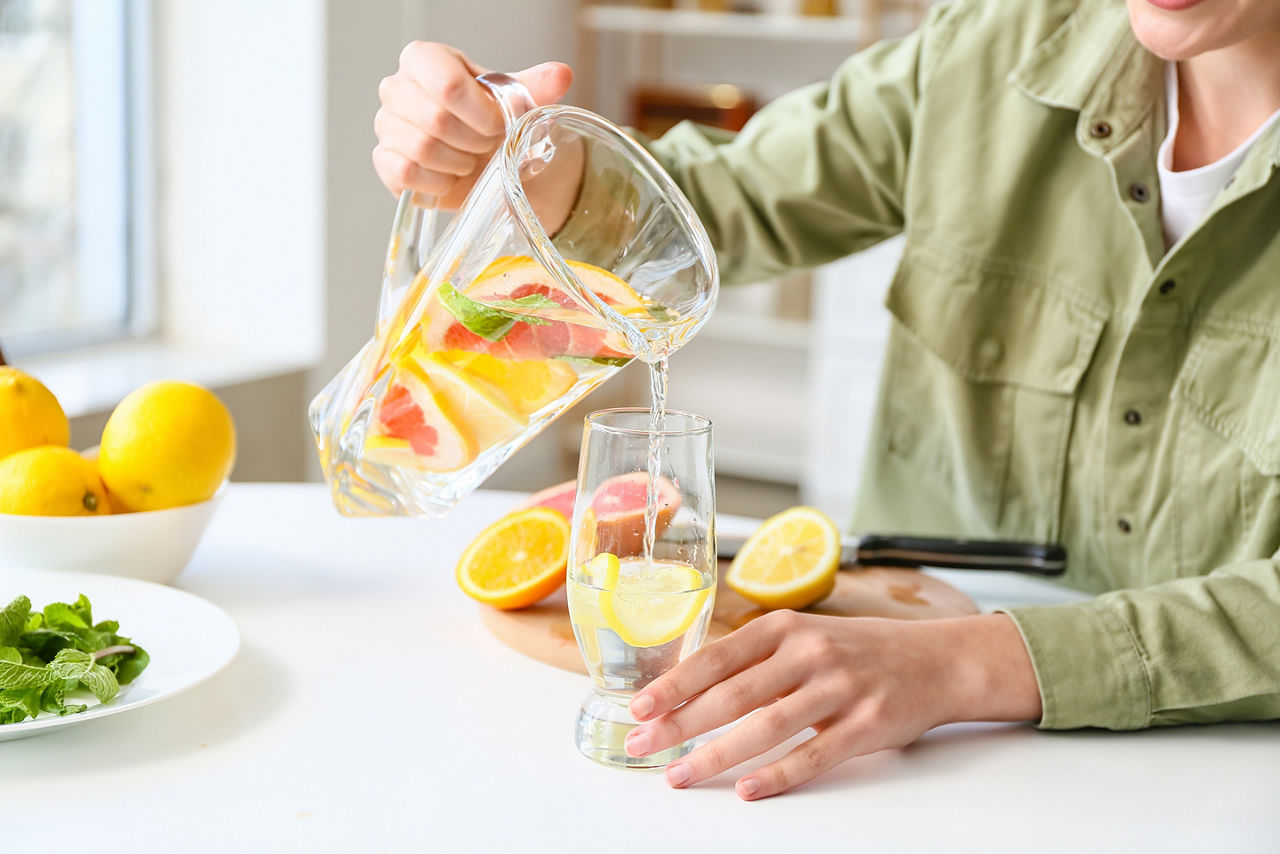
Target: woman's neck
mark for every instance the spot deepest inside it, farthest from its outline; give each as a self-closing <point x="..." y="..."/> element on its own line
<point x="1223" y="97"/>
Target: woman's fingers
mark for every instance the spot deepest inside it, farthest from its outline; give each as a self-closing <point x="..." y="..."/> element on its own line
<point x="831" y="746"/>
<point x="431" y="153"/>
<point x="721" y="704"/>
<point x="399" y="173"/>
<point x="759" y="733"/>
<point x="749" y="645"/>
<point x="406" y="99"/>
<point x="450" y="81"/>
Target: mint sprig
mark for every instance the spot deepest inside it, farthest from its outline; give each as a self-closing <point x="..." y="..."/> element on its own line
<point x="491" y="321"/>
<point x="45" y="655"/>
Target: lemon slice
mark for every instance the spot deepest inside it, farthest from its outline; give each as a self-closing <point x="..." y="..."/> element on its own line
<point x="529" y="385"/>
<point x="477" y="405"/>
<point x="648" y="606"/>
<point x="789" y="562"/>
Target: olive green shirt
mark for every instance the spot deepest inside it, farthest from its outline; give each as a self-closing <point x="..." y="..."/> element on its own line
<point x="1052" y="373"/>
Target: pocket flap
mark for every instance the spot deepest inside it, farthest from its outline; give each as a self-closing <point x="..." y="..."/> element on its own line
<point x="1231" y="382"/>
<point x="993" y="322"/>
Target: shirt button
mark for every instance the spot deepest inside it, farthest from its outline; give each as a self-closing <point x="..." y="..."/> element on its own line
<point x="1139" y="192"/>
<point x="990" y="350"/>
<point x="1124" y="526"/>
<point x="1100" y="130"/>
<point x="1166" y="286"/>
<point x="1133" y="416"/>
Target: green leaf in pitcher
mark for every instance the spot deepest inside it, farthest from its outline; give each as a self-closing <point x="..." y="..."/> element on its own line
<point x="489" y="321"/>
<point x="610" y="361"/>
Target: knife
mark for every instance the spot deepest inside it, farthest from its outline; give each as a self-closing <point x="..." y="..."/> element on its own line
<point x="895" y="550"/>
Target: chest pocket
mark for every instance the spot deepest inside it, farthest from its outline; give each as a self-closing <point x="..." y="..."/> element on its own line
<point x="983" y="368"/>
<point x="1227" y="467"/>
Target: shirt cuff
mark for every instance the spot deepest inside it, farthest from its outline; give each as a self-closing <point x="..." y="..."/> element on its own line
<point x="1089" y="667"/>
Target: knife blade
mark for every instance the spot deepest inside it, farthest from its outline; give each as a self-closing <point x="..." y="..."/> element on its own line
<point x="1046" y="559"/>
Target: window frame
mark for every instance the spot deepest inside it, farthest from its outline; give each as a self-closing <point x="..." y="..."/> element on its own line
<point x="114" y="175"/>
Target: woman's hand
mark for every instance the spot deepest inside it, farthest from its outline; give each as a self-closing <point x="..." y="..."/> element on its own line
<point x="863" y="684"/>
<point x="438" y="127"/>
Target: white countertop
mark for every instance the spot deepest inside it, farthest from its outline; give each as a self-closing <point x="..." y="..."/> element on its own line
<point x="368" y="710"/>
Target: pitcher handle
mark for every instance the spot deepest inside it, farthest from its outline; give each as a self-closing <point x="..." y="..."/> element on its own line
<point x="413" y="229"/>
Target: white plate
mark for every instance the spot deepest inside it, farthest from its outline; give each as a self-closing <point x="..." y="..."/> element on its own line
<point x="188" y="639"/>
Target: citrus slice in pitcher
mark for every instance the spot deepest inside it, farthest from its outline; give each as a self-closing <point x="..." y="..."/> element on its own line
<point x="528" y="385"/>
<point x="413" y="424"/>
<point x="648" y="604"/>
<point x="483" y="409"/>
<point x="515" y="310"/>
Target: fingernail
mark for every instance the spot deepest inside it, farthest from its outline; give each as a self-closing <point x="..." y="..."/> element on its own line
<point x="641" y="706"/>
<point x="638" y="743"/>
<point x="678" y="774"/>
<point x="748" y="788"/>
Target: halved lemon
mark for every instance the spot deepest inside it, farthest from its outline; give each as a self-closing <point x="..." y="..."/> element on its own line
<point x="648" y="605"/>
<point x="529" y="385"/>
<point x="517" y="560"/>
<point x="789" y="562"/>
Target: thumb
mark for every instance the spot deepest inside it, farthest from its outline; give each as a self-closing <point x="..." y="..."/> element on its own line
<point x="547" y="83"/>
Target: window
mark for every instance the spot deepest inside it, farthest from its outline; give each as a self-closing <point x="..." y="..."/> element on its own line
<point x="68" y="225"/>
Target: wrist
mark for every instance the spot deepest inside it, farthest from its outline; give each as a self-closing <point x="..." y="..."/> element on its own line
<point x="987" y="672"/>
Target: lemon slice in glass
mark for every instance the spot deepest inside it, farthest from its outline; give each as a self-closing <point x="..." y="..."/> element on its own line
<point x="649" y="605"/>
<point x="789" y="562"/>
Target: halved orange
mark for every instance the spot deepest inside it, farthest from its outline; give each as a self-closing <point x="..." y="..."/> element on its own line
<point x="517" y="560"/>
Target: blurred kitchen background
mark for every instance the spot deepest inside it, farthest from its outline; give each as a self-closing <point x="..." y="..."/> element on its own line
<point x="186" y="192"/>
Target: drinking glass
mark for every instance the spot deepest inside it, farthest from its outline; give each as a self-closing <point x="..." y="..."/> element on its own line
<point x="638" y="609"/>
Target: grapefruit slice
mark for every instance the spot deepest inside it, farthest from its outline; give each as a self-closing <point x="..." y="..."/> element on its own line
<point x="529" y="385"/>
<point x="483" y="409"/>
<point x="618" y="507"/>
<point x="414" y="425"/>
<point x="558" y="326"/>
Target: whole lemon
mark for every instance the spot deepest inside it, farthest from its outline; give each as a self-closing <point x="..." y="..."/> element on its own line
<point x="51" y="481"/>
<point x="167" y="444"/>
<point x="29" y="414"/>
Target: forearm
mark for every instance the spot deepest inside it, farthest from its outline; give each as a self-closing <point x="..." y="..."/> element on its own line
<point x="984" y="670"/>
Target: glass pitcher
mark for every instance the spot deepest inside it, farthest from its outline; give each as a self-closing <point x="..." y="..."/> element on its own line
<point x="573" y="254"/>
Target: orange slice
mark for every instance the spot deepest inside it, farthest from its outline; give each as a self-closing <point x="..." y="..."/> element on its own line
<point x="528" y="385"/>
<point x="517" y="560"/>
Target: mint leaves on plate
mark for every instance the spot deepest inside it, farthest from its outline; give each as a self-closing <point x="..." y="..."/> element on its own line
<point x="48" y="654"/>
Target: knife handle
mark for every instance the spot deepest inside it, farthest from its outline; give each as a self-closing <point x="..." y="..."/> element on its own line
<point x="1035" y="558"/>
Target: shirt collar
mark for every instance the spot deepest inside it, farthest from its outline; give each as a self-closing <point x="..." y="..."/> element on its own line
<point x="1093" y="64"/>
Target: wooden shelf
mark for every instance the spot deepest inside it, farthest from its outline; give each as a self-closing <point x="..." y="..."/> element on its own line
<point x="693" y="23"/>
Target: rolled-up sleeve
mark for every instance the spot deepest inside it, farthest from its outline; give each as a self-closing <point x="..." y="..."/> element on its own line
<point x="1194" y="650"/>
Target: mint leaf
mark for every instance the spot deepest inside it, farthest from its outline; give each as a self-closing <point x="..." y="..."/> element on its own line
<point x="130" y="667"/>
<point x="658" y="311"/>
<point x="526" y="301"/>
<point x="610" y="361"/>
<point x="15" y="676"/>
<point x="481" y="319"/>
<point x="101" y="681"/>
<point x="13" y="620"/>
<point x="60" y="615"/>
<point x="71" y="664"/>
<point x="59" y="649"/>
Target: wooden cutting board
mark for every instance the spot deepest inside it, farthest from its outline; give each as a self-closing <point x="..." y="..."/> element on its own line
<point x="543" y="632"/>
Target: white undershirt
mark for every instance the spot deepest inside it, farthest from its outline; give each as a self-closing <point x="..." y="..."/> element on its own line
<point x="1185" y="196"/>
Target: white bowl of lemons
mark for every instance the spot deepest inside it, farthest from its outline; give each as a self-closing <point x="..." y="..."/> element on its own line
<point x="135" y="506"/>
